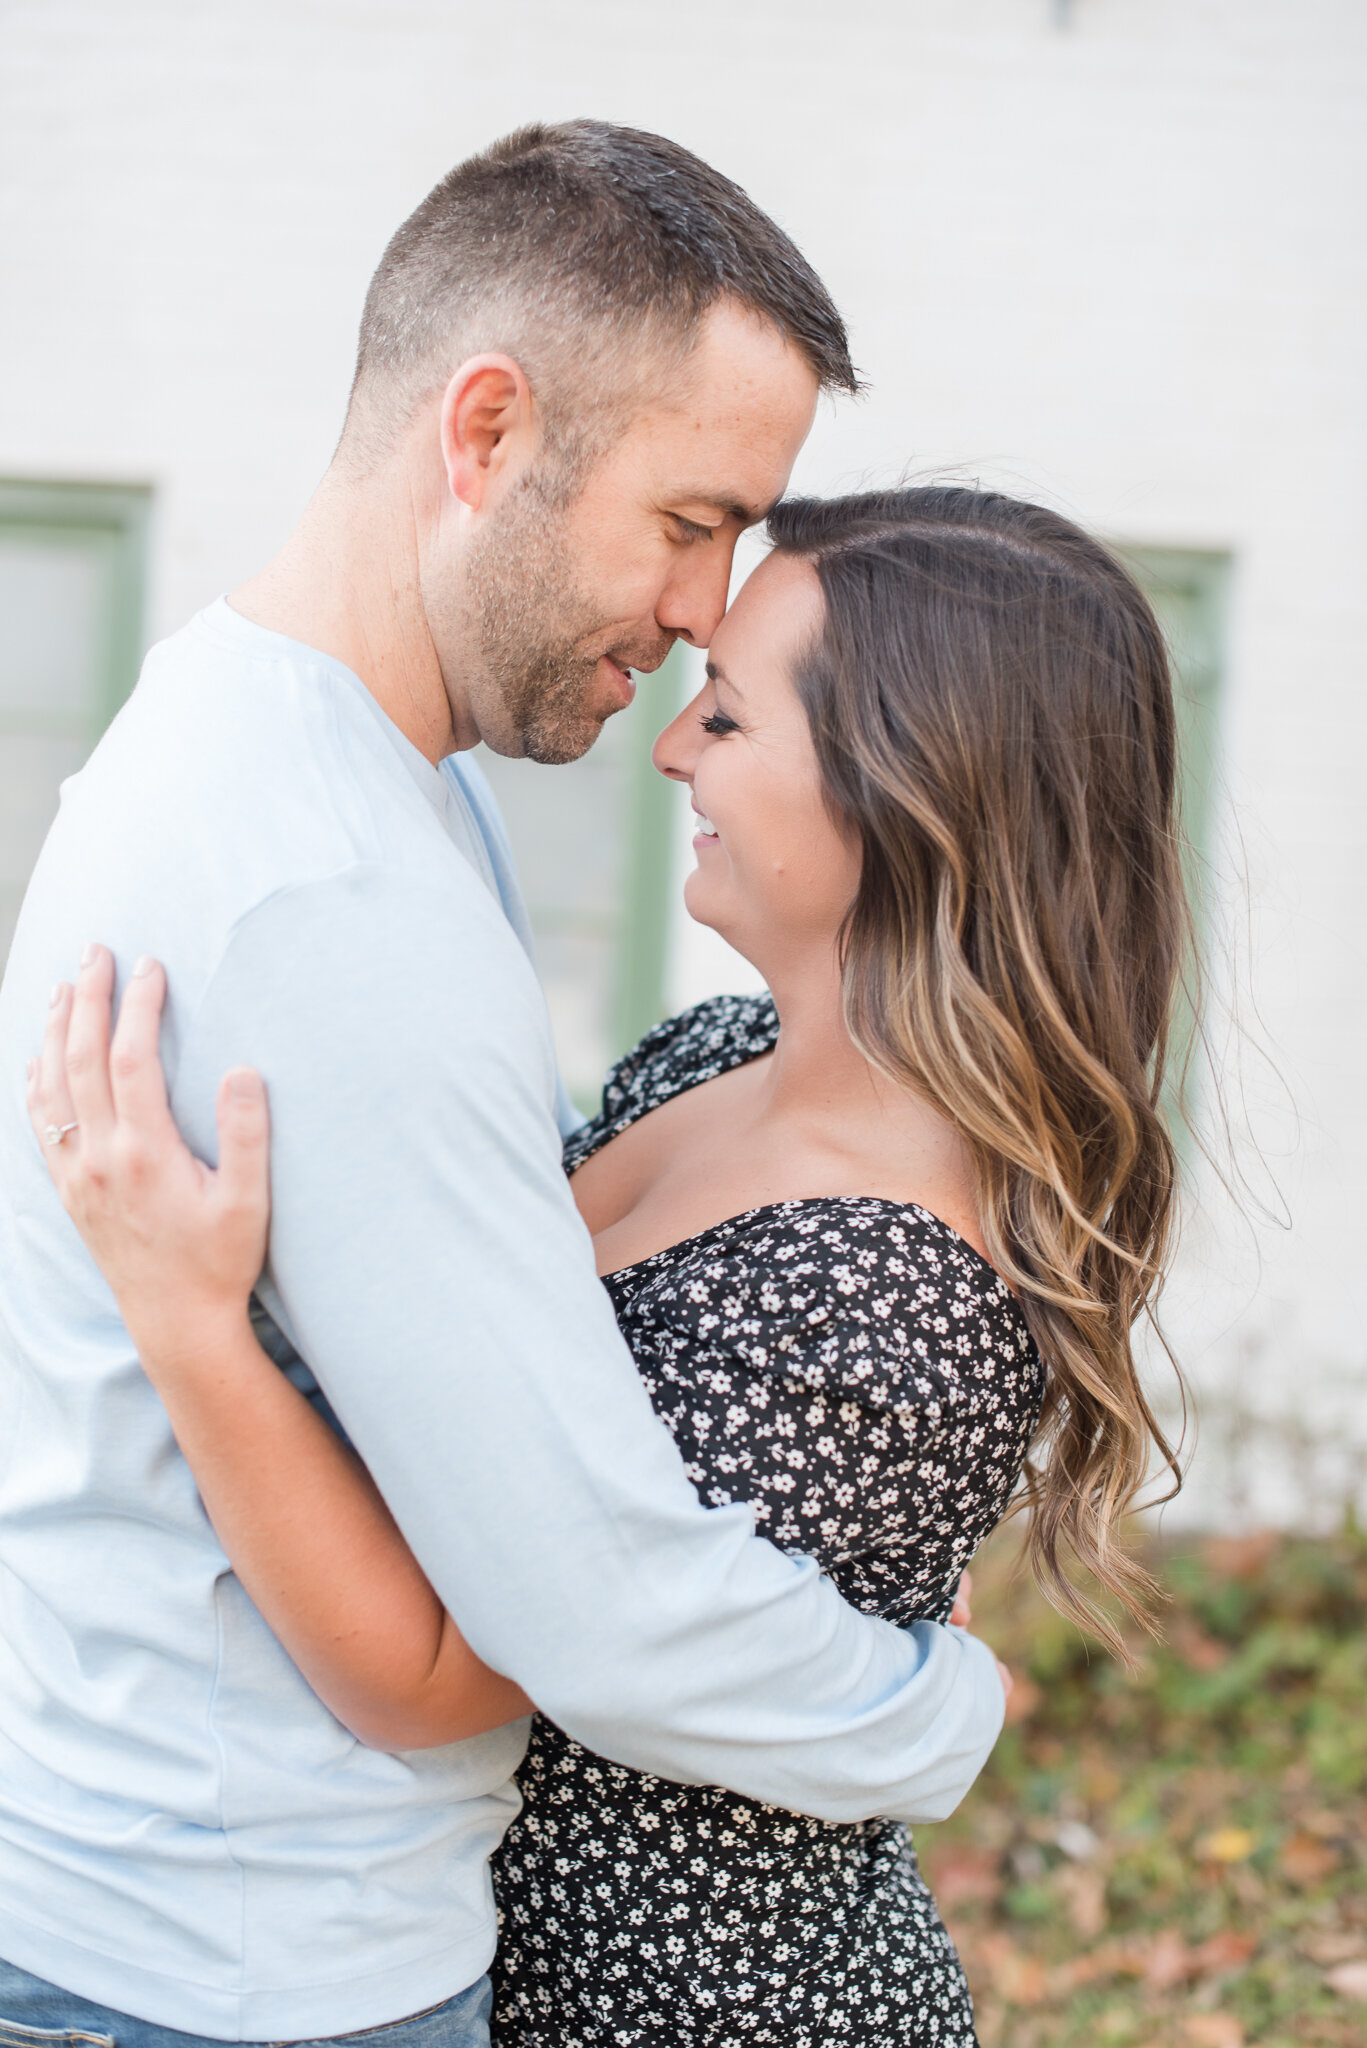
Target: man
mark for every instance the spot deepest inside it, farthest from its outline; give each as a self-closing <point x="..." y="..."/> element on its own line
<point x="586" y="363"/>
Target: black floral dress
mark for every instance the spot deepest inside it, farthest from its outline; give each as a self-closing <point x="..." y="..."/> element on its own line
<point x="856" y="1371"/>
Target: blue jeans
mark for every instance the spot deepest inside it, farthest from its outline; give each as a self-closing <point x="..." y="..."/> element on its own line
<point x="37" y="2015"/>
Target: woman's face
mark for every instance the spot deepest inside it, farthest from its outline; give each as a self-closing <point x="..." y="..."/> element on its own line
<point x="775" y="874"/>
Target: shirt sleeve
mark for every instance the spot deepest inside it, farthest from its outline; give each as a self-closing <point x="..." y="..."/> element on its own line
<point x="427" y="1259"/>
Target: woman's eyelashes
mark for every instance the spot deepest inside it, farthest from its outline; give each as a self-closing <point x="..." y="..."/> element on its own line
<point x="718" y="724"/>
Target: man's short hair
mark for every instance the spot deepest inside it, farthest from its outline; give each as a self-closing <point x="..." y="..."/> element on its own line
<point x="576" y="248"/>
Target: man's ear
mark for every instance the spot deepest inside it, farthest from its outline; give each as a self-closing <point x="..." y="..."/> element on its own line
<point x="488" y="426"/>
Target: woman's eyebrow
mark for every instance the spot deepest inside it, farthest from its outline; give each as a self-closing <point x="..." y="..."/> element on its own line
<point x="715" y="674"/>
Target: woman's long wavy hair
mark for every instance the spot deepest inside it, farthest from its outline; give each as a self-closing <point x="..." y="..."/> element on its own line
<point x="992" y="709"/>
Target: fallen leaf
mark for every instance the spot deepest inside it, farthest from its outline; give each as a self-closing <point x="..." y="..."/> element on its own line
<point x="1102" y="1783"/>
<point x="1112" y="1959"/>
<point x="1213" y="2030"/>
<point x="1077" y="1840"/>
<point x="1306" y="1860"/>
<point x="1018" y="1978"/>
<point x="1225" y="1845"/>
<point x="1333" y="1945"/>
<point x="1240" y="1557"/>
<point x="962" y="1875"/>
<point x="1083" y="1891"/>
<point x="1222" y="1954"/>
<point x="1169" y="1961"/>
<point x="1197" y="1649"/>
<point x="1329" y="1826"/>
<point x="1349" y="1980"/>
<point x="1248" y="1888"/>
<point x="1163" y="1962"/>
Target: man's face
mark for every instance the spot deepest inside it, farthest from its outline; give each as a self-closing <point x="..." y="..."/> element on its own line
<point x="563" y="600"/>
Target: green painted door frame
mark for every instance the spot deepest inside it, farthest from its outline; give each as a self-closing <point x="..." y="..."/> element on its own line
<point x="643" y="956"/>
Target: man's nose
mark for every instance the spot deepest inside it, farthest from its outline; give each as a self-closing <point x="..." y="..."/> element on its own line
<point x="693" y="602"/>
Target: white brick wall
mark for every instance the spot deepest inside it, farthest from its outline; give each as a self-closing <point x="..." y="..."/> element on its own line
<point x="1120" y="265"/>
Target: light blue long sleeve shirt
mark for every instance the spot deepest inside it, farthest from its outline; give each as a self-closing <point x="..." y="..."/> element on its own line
<point x="186" y="1833"/>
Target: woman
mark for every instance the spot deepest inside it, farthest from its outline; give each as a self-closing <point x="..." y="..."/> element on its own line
<point x="870" y="1238"/>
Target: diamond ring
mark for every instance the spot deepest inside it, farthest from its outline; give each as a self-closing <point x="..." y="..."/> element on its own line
<point x="55" y="1133"/>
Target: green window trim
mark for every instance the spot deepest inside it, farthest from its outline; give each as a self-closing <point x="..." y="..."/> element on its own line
<point x="72" y="580"/>
<point x="643" y="957"/>
<point x="114" y="521"/>
<point x="1189" y="591"/>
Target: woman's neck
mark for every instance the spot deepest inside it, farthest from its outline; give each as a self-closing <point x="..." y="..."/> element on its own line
<point x="816" y="1069"/>
<point x="819" y="1081"/>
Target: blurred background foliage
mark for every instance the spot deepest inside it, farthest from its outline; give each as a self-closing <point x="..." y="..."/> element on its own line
<point x="1174" y="1857"/>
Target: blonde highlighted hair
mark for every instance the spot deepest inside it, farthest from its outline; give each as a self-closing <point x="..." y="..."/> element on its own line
<point x="991" y="705"/>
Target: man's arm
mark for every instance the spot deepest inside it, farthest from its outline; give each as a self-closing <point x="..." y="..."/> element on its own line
<point x="428" y="1261"/>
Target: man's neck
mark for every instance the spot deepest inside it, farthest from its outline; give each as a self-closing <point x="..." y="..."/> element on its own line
<point x="347" y="582"/>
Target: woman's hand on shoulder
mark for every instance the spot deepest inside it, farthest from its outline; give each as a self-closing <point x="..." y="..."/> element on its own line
<point x="961" y="1616"/>
<point x="180" y="1243"/>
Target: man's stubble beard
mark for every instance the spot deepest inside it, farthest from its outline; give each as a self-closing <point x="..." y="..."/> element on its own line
<point x="532" y="620"/>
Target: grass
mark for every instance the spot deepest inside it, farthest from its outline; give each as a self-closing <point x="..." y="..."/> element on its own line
<point x="1175" y="1858"/>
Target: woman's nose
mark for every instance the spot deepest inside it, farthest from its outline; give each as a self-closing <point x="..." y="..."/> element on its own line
<point x="675" y="752"/>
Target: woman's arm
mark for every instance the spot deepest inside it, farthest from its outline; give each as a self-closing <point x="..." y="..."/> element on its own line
<point x="296" y="1512"/>
<point x="318" y="1551"/>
